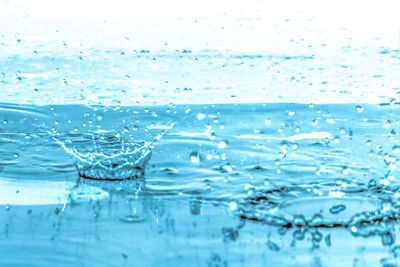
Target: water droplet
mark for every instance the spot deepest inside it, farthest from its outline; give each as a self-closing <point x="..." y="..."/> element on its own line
<point x="195" y="207"/>
<point x="396" y="149"/>
<point x="272" y="246"/>
<point x="336" y="140"/>
<point x="359" y="109"/>
<point x="337" y="209"/>
<point x="99" y="118"/>
<point x="299" y="220"/>
<point x="195" y="157"/>
<point x="268" y="121"/>
<point x="201" y="116"/>
<point x="330" y="120"/>
<point x="230" y="234"/>
<point x="233" y="206"/>
<point x="5" y="121"/>
<point x="345" y="170"/>
<point x="292" y="113"/>
<point x="387" y="123"/>
<point x="314" y="122"/>
<point x="316" y="219"/>
<point x="222" y="144"/>
<point x="212" y="136"/>
<point x="16" y="155"/>
<point x="135" y="218"/>
<point x="387" y="239"/>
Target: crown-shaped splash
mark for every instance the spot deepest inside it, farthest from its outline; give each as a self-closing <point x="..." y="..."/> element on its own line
<point x="107" y="155"/>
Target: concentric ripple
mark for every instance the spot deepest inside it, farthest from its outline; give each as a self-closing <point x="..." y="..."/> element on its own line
<point x="363" y="209"/>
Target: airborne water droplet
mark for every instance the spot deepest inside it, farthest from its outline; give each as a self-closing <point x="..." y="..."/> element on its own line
<point x="359" y="109"/>
<point x="222" y="144"/>
<point x="396" y="149"/>
<point x="201" y="116"/>
<point x="194" y="157"/>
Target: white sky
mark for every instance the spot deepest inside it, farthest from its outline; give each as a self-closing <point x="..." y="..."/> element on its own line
<point x="322" y="29"/>
<point x="220" y="24"/>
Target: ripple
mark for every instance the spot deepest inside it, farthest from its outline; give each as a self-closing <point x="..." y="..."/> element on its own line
<point x="360" y="208"/>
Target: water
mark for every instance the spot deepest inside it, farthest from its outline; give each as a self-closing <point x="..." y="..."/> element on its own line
<point x="210" y="185"/>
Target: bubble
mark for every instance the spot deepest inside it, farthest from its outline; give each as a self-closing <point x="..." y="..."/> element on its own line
<point x="267" y="121"/>
<point x="292" y="113"/>
<point x="345" y="170"/>
<point x="195" y="157"/>
<point x="359" y="109"/>
<point x="99" y="118"/>
<point x="16" y="155"/>
<point x="222" y="144"/>
<point x="5" y="121"/>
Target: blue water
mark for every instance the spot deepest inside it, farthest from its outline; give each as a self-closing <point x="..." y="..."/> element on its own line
<point x="272" y="184"/>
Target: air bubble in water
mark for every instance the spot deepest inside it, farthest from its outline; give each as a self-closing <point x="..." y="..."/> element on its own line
<point x="194" y="157"/>
<point x="99" y="118"/>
